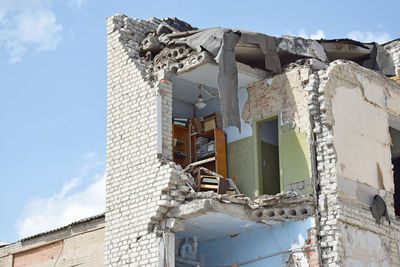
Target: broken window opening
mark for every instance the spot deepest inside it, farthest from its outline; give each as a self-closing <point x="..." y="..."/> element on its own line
<point x="199" y="142"/>
<point x="395" y="153"/>
<point x="268" y="156"/>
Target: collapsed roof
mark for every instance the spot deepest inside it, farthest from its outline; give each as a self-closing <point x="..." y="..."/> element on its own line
<point x="175" y="41"/>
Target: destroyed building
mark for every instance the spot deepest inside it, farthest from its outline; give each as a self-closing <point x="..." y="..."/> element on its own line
<point x="233" y="148"/>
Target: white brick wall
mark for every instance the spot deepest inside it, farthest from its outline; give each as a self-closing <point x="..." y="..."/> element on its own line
<point x="142" y="182"/>
<point x="135" y="176"/>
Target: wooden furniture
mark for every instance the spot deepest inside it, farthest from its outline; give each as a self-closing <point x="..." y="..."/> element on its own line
<point x="216" y="162"/>
<point x="208" y="167"/>
<point x="207" y="180"/>
<point x="184" y="146"/>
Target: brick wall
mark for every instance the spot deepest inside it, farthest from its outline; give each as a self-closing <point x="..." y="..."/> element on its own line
<point x="39" y="255"/>
<point x="349" y="235"/>
<point x="77" y="244"/>
<point x="139" y="144"/>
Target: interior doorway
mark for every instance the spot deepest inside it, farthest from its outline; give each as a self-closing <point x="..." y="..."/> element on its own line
<point x="269" y="146"/>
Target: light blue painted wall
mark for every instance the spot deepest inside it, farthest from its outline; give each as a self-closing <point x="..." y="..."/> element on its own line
<point x="181" y="109"/>
<point x="212" y="107"/>
<point x="256" y="243"/>
<point x="232" y="133"/>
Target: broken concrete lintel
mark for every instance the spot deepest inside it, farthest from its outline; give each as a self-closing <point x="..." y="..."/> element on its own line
<point x="383" y="60"/>
<point x="188" y="33"/>
<point x="301" y="47"/>
<point x="267" y="216"/>
<point x="196" y="60"/>
<point x="348" y="51"/>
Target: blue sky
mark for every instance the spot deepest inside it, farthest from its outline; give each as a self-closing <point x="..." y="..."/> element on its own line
<point x="53" y="88"/>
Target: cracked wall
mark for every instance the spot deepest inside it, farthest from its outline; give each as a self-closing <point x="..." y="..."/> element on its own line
<point x="362" y="140"/>
<point x="352" y="134"/>
<point x="330" y="111"/>
<point x="285" y="95"/>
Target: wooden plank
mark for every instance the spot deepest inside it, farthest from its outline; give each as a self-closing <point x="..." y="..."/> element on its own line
<point x="209" y="181"/>
<point x="209" y="186"/>
<point x="193" y="146"/>
<point x="189" y="145"/>
<point x="220" y="152"/>
<point x="223" y="186"/>
<point x="197" y="163"/>
<point x="209" y="134"/>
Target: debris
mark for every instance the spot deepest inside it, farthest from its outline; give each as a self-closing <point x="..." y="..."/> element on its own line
<point x="282" y="200"/>
<point x="208" y="180"/>
<point x="380" y="60"/>
<point x="151" y="43"/>
<point x="300" y="47"/>
<point x="232" y="184"/>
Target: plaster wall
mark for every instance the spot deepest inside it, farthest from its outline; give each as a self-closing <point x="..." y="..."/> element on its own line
<point x="364" y="242"/>
<point x="361" y="138"/>
<point x="363" y="248"/>
<point x="351" y="123"/>
<point x="362" y="105"/>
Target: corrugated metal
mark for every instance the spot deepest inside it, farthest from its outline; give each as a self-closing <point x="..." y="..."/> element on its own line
<point x="66" y="226"/>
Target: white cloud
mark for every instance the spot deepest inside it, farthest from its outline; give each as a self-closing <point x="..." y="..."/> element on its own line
<point x="78" y="3"/>
<point x="89" y="155"/>
<point x="367" y="37"/>
<point x="319" y="34"/>
<point x="69" y="205"/>
<point x="26" y="25"/>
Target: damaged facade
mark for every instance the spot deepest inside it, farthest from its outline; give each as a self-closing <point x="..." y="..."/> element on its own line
<point x="233" y="148"/>
<point x="305" y="149"/>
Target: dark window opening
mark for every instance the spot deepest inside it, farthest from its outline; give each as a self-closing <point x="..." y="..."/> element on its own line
<point x="269" y="144"/>
<point x="395" y="151"/>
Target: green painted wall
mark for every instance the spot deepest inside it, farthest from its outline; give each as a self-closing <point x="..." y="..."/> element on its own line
<point x="270" y="168"/>
<point x="240" y="157"/>
<point x="294" y="163"/>
<point x="294" y="157"/>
